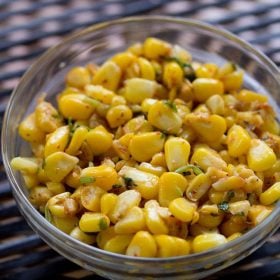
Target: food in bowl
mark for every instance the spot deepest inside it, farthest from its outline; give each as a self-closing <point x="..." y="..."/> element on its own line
<point x="153" y="154"/>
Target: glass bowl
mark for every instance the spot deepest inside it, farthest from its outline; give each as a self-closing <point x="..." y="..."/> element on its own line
<point x="96" y="43"/>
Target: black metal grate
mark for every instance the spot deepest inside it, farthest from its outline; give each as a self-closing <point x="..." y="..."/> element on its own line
<point x="29" y="27"/>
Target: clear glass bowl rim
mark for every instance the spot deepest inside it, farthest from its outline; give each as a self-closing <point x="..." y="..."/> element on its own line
<point x="26" y="207"/>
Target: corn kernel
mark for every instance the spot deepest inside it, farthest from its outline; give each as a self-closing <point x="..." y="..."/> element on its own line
<point x="125" y="201"/>
<point x="143" y="182"/>
<point x="132" y="222"/>
<point x="108" y="76"/>
<point x="147" y="70"/>
<point x="216" y="104"/>
<point x="143" y="146"/>
<point x="233" y="81"/>
<point x="207" y="241"/>
<point x="65" y="224"/>
<point x="147" y="167"/>
<point x="90" y="197"/>
<point x="118" y="115"/>
<point x="166" y="246"/>
<point x="260" y="156"/>
<point x="29" y="130"/>
<point x="142" y="244"/>
<point x="58" y="165"/>
<point x="103" y="176"/>
<point x="209" y="216"/>
<point x="249" y="96"/>
<point x="55" y="188"/>
<point x="159" y="159"/>
<point x="93" y="222"/>
<point x="182" y="209"/>
<point x="234" y="236"/>
<point x="154" y="48"/>
<point x="257" y="213"/>
<point x="229" y="183"/>
<point x="203" y="88"/>
<point x="171" y="186"/>
<point x="124" y="59"/>
<point x="81" y="236"/>
<point x="77" y="139"/>
<point x="100" y="93"/>
<point x="163" y="115"/>
<point x="118" y="244"/>
<point x="271" y="195"/>
<point x="138" y="89"/>
<point x="173" y="75"/>
<point x="107" y="203"/>
<point x="25" y="165"/>
<point x="104" y="236"/>
<point x="177" y="151"/>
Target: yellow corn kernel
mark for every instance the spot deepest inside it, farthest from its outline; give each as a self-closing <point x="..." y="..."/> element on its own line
<point x="58" y="165"/>
<point x="143" y="182"/>
<point x="180" y="53"/>
<point x="56" y="204"/>
<point x="73" y="178"/>
<point x="118" y="244"/>
<point x="143" y="146"/>
<point x="136" y="49"/>
<point x="154" y="222"/>
<point x="118" y="115"/>
<point x="29" y="130"/>
<point x="177" y="151"/>
<point x="234" y="236"/>
<point x="147" y="103"/>
<point x="108" y="76"/>
<point x="209" y="127"/>
<point x="99" y="140"/>
<point x="39" y="195"/>
<point x="132" y="222"/>
<point x="77" y="139"/>
<point x="57" y="141"/>
<point x="124" y="59"/>
<point x="166" y="246"/>
<point x="171" y="186"/>
<point x="142" y="244"/>
<point x="207" y="241"/>
<point x="118" y="100"/>
<point x="203" y="72"/>
<point x="125" y="201"/>
<point x="138" y="89"/>
<point x="271" y="195"/>
<point x="120" y="146"/>
<point x="25" y="165"/>
<point x="163" y="115"/>
<point x="249" y="96"/>
<point x="257" y="213"/>
<point x="238" y="141"/>
<point x="78" y="77"/>
<point x="147" y="167"/>
<point x="100" y="93"/>
<point x="159" y="160"/>
<point x="66" y="224"/>
<point x="260" y="156"/>
<point x="216" y="104"/>
<point x="271" y="125"/>
<point x="104" y="236"/>
<point x="173" y="75"/>
<point x="93" y="222"/>
<point x="239" y="208"/>
<point x="175" y="226"/>
<point x="102" y="109"/>
<point x="56" y="188"/>
<point x="90" y="197"/>
<point x="233" y="225"/>
<point x="107" y="203"/>
<point x="206" y="157"/>
<point x="182" y="209"/>
<point x="233" y="81"/>
<point x="203" y="88"/>
<point x="47" y="117"/>
<point x="229" y="183"/>
<point x="30" y="180"/>
<point x="226" y="69"/>
<point x="136" y="125"/>
<point x="216" y="197"/>
<point x="212" y="68"/>
<point x="198" y="186"/>
<point x="154" y="48"/>
<point x="183" y="246"/>
<point x="147" y="70"/>
<point x="103" y="176"/>
<point x="81" y="236"/>
<point x="209" y="216"/>
<point x="77" y="106"/>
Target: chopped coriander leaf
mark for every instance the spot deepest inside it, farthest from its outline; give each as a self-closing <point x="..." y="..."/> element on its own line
<point x="103" y="224"/>
<point x="224" y="206"/>
<point x="129" y="182"/>
<point x="87" y="180"/>
<point x="230" y="195"/>
<point x="187" y="168"/>
<point x="171" y="105"/>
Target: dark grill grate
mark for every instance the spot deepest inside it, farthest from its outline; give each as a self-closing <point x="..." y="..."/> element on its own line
<point x="29" y="27"/>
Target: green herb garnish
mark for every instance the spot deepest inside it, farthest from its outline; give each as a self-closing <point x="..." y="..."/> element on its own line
<point x="129" y="183"/>
<point x="103" y="224"/>
<point x="87" y="180"/>
<point x="224" y="206"/>
<point x="185" y="170"/>
<point x="171" y="105"/>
